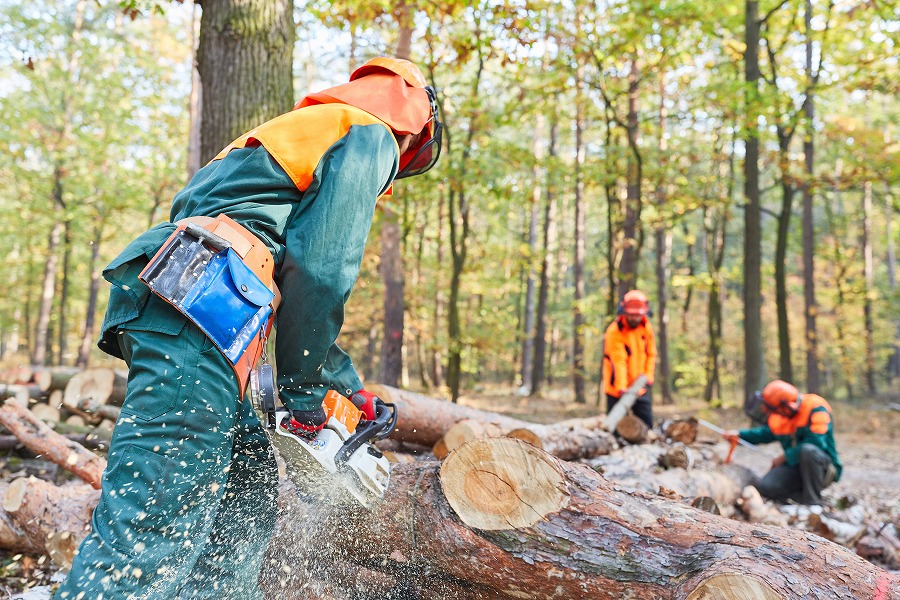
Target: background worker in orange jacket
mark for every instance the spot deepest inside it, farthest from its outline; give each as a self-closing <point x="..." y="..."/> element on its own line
<point x="804" y="425"/>
<point x="629" y="351"/>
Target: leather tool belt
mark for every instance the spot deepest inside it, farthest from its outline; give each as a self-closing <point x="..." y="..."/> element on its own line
<point x="220" y="276"/>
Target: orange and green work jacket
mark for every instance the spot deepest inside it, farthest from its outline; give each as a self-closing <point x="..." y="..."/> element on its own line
<point x="627" y="354"/>
<point x="813" y="424"/>
<point x="305" y="183"/>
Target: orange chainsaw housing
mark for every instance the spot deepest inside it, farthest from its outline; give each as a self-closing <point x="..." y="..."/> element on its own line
<point x="339" y="407"/>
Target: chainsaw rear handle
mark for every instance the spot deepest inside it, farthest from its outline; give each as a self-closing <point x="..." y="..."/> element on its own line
<point x="377" y="429"/>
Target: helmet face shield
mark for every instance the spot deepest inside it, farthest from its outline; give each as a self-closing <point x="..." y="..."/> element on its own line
<point x="429" y="151"/>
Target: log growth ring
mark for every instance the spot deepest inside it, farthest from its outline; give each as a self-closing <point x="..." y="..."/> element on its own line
<point x="502" y="484"/>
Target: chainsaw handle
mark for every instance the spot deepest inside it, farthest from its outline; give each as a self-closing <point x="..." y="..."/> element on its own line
<point x="377" y="429"/>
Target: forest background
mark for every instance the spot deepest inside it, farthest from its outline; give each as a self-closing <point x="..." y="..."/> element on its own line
<point x="736" y="161"/>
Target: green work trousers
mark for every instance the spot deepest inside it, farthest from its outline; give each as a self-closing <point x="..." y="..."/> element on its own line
<point x="189" y="496"/>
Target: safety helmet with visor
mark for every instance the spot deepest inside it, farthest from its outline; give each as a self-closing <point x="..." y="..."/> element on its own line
<point x="780" y="397"/>
<point x="634" y="303"/>
<point x="423" y="155"/>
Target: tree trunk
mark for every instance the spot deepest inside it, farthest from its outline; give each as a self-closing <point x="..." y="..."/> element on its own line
<point x="527" y="364"/>
<point x="437" y="367"/>
<point x="631" y="228"/>
<point x="195" y="101"/>
<point x="786" y="370"/>
<point x="458" y="219"/>
<point x="540" y="332"/>
<point x="62" y="323"/>
<point x="809" y="244"/>
<point x="49" y="519"/>
<point x="99" y="385"/>
<point x="894" y="361"/>
<point x="48" y="291"/>
<point x="244" y="58"/>
<point x="754" y="365"/>
<point x="424" y="421"/>
<point x="869" y="277"/>
<point x="87" y="338"/>
<point x="391" y="267"/>
<point x="40" y="439"/>
<point x="663" y="237"/>
<point x="503" y="517"/>
<point x="578" y="324"/>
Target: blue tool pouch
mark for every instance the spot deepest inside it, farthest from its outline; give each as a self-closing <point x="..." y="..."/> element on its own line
<point x="212" y="287"/>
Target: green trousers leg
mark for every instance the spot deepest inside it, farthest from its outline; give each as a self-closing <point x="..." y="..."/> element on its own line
<point x="182" y="511"/>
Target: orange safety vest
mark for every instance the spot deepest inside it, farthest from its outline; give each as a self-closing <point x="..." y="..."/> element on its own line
<point x="627" y="354"/>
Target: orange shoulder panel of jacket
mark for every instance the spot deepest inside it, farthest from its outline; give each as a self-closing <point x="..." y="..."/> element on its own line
<point x="780" y="425"/>
<point x="818" y="422"/>
<point x="297" y="140"/>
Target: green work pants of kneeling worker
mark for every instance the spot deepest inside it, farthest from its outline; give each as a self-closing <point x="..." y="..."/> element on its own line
<point x="189" y="495"/>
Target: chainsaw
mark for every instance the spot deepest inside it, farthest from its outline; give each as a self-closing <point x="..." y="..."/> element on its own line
<point x="342" y="450"/>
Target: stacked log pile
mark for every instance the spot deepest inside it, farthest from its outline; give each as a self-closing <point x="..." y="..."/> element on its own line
<point x="514" y="510"/>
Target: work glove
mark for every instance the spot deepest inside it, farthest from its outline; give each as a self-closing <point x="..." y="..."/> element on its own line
<point x="305" y="423"/>
<point x="365" y="401"/>
<point x="732" y="435"/>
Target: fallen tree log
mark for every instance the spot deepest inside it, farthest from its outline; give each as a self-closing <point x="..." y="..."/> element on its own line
<point x="524" y="524"/>
<point x="97" y="385"/>
<point x="49" y="519"/>
<point x="40" y="439"/>
<point x="424" y="420"/>
<point x="55" y="378"/>
<point x="632" y="429"/>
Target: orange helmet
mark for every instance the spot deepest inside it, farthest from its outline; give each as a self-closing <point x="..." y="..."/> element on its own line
<point x="405" y="69"/>
<point x="634" y="303"/>
<point x="422" y="157"/>
<point x="780" y="397"/>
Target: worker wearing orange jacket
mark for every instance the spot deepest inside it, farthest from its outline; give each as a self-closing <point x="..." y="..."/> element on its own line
<point x="629" y="351"/>
<point x="189" y="496"/>
<point x="804" y="426"/>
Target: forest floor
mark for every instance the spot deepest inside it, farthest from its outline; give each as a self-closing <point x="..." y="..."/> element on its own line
<point x="868" y="439"/>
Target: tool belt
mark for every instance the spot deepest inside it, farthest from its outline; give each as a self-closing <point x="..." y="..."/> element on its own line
<point x="220" y="276"/>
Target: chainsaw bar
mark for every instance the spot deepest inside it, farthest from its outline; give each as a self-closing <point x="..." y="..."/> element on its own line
<point x="336" y="454"/>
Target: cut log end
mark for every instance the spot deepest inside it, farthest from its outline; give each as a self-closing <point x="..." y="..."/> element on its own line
<point x="526" y="435"/>
<point x="633" y="429"/>
<point x="503" y="484"/>
<point x="732" y="586"/>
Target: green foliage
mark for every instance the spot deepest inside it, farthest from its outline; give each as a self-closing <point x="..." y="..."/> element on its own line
<point x="501" y="68"/>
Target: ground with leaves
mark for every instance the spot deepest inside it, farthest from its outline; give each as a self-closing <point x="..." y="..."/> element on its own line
<point x="867" y="439"/>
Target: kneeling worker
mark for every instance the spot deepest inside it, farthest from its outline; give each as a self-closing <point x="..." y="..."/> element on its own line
<point x="804" y="425"/>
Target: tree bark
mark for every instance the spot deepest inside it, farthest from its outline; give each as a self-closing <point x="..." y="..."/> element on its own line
<point x="754" y="372"/>
<point x="94" y="268"/>
<point x="504" y="518"/>
<point x="579" y="374"/>
<point x="631" y="227"/>
<point x="56" y="378"/>
<point x="538" y="374"/>
<point x="48" y="519"/>
<point x="392" y="271"/>
<point x="244" y="58"/>
<point x="632" y="429"/>
<point x="423" y="420"/>
<point x="40" y="439"/>
<point x="527" y="332"/>
<point x="869" y="278"/>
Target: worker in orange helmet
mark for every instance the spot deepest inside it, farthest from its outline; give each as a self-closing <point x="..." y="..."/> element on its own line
<point x="804" y="425"/>
<point x="189" y="496"/>
<point x="629" y="351"/>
